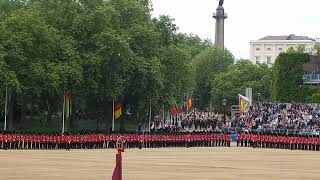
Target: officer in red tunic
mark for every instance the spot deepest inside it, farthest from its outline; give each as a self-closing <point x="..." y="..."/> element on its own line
<point x="5" y="141"/>
<point x="238" y="139"/>
<point x="228" y="140"/>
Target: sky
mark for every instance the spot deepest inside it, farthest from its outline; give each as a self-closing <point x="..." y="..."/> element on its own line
<point x="247" y="19"/>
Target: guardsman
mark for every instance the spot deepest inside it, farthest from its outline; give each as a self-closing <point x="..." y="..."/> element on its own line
<point x="140" y="141"/>
<point x="238" y="139"/>
<point x="68" y="141"/>
<point x="228" y="140"/>
<point x="317" y="143"/>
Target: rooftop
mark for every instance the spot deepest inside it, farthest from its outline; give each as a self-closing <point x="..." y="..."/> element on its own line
<point x="290" y="37"/>
<point x="313" y="65"/>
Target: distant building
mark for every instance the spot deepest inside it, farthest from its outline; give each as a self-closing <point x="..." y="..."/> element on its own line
<point x="318" y="41"/>
<point x="267" y="49"/>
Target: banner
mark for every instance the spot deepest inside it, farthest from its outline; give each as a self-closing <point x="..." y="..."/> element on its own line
<point x="189" y="104"/>
<point x="68" y="105"/>
<point x="118" y="109"/>
<point x="117" y="173"/>
<point x="244" y="103"/>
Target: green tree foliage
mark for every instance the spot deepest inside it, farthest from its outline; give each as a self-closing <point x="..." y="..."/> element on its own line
<point x="207" y="65"/>
<point x="240" y="76"/>
<point x="315" y="98"/>
<point x="317" y="48"/>
<point x="287" y="77"/>
<point x="96" y="50"/>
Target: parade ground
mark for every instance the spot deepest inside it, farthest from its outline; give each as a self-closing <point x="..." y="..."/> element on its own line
<point x="161" y="164"/>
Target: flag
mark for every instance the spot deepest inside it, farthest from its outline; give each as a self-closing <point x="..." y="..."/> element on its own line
<point x="189" y="104"/>
<point x="243" y="103"/>
<point x="68" y="105"/>
<point x="173" y="111"/>
<point x="181" y="110"/>
<point x="118" y="109"/>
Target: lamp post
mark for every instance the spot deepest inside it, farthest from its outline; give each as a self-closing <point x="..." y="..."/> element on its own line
<point x="224" y="104"/>
<point x="301" y="86"/>
<point x="259" y="97"/>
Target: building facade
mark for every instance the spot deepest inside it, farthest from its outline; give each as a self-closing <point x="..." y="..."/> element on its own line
<point x="267" y="49"/>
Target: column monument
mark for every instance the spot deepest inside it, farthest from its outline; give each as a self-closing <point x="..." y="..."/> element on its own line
<point x="220" y="16"/>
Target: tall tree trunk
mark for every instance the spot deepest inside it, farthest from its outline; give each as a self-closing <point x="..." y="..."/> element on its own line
<point x="11" y="113"/>
<point x="108" y="116"/>
<point x="50" y="113"/>
<point x="22" y="112"/>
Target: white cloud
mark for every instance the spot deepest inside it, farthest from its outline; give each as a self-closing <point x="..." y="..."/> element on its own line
<point x="247" y="19"/>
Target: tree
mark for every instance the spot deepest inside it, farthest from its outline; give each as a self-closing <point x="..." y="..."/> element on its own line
<point x="96" y="50"/>
<point x="317" y="48"/>
<point x="43" y="61"/>
<point x="315" y="98"/>
<point x="287" y="77"/>
<point x="208" y="64"/>
<point x="240" y="76"/>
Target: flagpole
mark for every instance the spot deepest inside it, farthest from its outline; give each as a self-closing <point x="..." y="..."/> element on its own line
<point x="163" y="115"/>
<point x="112" y="114"/>
<point x="63" y="111"/>
<point x="150" y="117"/>
<point x="5" y="110"/>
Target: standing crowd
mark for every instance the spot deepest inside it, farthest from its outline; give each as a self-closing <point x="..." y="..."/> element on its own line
<point x="296" y="116"/>
<point x="202" y="121"/>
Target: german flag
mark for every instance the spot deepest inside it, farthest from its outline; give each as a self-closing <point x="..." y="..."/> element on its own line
<point x="118" y="109"/>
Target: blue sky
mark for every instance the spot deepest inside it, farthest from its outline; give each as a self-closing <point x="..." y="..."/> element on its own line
<point x="247" y="19"/>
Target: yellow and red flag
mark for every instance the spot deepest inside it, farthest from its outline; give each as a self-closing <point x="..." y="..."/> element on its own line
<point x="118" y="109"/>
<point x="244" y="103"/>
<point x="68" y="105"/>
<point x="189" y="104"/>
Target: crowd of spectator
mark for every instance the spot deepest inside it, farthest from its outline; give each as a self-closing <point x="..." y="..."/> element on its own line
<point x="295" y="116"/>
<point x="203" y="121"/>
<point x="194" y="121"/>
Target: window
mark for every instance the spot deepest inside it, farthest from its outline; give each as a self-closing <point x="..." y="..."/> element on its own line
<point x="280" y="49"/>
<point x="301" y="47"/>
<point x="268" y="59"/>
<point x="257" y="60"/>
<point x="257" y="49"/>
<point x="268" y="49"/>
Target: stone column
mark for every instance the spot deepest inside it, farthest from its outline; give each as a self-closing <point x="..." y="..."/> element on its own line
<point x="220" y="16"/>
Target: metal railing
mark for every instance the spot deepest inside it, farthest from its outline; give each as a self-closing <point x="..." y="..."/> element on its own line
<point x="313" y="78"/>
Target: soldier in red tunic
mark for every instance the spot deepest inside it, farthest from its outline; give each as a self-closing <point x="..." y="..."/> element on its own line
<point x="5" y="141"/>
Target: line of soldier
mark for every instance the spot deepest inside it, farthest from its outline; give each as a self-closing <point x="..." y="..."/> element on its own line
<point x="293" y="142"/>
<point x="104" y="141"/>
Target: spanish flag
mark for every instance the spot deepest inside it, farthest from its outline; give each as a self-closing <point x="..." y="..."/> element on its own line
<point x="244" y="103"/>
<point x="118" y="109"/>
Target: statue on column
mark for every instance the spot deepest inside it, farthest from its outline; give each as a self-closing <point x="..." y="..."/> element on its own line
<point x="221" y="2"/>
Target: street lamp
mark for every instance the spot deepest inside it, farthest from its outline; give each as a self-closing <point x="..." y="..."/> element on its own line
<point x="224" y="104"/>
<point x="259" y="97"/>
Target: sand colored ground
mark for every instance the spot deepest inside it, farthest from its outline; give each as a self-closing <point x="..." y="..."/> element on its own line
<point x="162" y="164"/>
